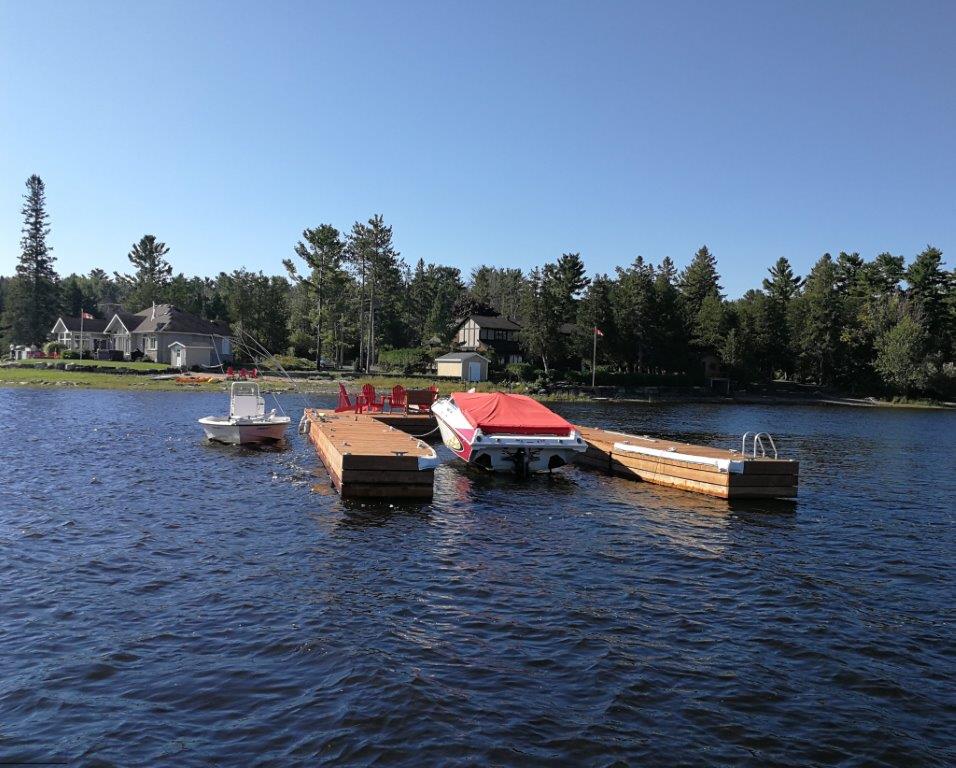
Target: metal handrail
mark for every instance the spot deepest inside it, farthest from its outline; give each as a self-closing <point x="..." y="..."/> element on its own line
<point x="758" y="440"/>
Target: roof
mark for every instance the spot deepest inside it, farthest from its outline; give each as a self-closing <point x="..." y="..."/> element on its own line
<point x="497" y="323"/>
<point x="168" y="319"/>
<point x="450" y="356"/>
<point x="73" y="324"/>
<point x="500" y="413"/>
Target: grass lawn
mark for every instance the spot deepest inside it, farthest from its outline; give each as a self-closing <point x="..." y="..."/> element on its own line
<point x="105" y="364"/>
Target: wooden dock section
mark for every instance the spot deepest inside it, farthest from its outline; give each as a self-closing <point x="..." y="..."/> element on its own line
<point x="697" y="468"/>
<point x="367" y="458"/>
<point x="414" y="424"/>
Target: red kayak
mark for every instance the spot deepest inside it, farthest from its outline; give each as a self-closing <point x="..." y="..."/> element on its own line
<point x="506" y="433"/>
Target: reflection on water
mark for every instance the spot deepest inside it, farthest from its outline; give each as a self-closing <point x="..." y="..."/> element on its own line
<point x="168" y="601"/>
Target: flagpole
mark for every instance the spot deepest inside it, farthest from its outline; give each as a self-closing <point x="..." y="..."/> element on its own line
<point x="594" y="357"/>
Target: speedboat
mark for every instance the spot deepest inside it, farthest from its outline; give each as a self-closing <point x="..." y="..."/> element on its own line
<point x="506" y="433"/>
<point x="247" y="421"/>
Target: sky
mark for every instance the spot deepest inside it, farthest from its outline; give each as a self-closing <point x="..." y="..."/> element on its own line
<point x="502" y="133"/>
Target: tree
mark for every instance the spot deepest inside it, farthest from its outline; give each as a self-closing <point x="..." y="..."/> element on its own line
<point x="901" y="355"/>
<point x="670" y="332"/>
<point x="148" y="283"/>
<point x="33" y="301"/>
<point x="698" y="280"/>
<point x="541" y="321"/>
<point x="370" y="251"/>
<point x="929" y="285"/>
<point x="567" y="279"/>
<point x="322" y="250"/>
<point x="820" y="314"/>
<point x="781" y="287"/>
<point x="632" y="301"/>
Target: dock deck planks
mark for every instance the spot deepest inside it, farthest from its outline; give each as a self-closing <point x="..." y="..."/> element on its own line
<point x="367" y="458"/>
<point x="758" y="478"/>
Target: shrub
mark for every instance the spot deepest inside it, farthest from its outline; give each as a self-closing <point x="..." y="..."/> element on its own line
<point x="405" y="360"/>
<point x="519" y="371"/>
<point x="70" y="354"/>
<point x="54" y="347"/>
<point x="291" y="363"/>
<point x="942" y="381"/>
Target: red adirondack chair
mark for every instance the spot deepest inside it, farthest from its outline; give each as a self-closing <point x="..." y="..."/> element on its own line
<point x="367" y="401"/>
<point x="398" y="399"/>
<point x="344" y="404"/>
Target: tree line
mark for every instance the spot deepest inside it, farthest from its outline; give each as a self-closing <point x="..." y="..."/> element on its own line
<point x="867" y="326"/>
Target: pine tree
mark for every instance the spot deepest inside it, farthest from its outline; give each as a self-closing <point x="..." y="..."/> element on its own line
<point x="699" y="280"/>
<point x="928" y="289"/>
<point x="781" y="287"/>
<point x="541" y="320"/>
<point x="322" y="250"/>
<point x="33" y="301"/>
<point x="820" y="311"/>
<point x="148" y="283"/>
<point x="634" y="315"/>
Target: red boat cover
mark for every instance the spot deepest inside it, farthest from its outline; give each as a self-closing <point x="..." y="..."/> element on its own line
<point x="498" y="413"/>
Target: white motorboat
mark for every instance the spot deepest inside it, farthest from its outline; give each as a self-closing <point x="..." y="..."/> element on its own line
<point x="506" y="433"/>
<point x="247" y="421"/>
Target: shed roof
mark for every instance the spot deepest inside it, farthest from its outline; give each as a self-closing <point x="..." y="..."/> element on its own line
<point x="458" y="356"/>
<point x="190" y="346"/>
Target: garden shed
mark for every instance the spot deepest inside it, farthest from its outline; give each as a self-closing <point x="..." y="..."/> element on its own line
<point x="467" y="366"/>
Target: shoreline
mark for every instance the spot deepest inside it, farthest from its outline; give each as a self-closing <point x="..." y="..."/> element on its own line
<point x="12" y="377"/>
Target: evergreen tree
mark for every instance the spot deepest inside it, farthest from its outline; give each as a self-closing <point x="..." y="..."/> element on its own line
<point x="820" y="311"/>
<point x="148" y="283"/>
<point x="568" y="280"/>
<point x="633" y="306"/>
<point x="781" y="287"/>
<point x="929" y="285"/>
<point x="596" y="311"/>
<point x="541" y="320"/>
<point x="699" y="280"/>
<point x="322" y="250"/>
<point x="670" y="335"/>
<point x="33" y="301"/>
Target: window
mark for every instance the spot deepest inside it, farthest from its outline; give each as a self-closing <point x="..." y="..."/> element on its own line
<point x="226" y="347"/>
<point x="150" y="343"/>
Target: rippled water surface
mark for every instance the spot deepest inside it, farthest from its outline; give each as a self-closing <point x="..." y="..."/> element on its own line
<point x="167" y="602"/>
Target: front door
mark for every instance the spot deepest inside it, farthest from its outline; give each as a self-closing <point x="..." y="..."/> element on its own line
<point x="474" y="371"/>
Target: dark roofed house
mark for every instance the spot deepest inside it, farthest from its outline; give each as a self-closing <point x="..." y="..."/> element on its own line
<point x="478" y="333"/>
<point x="154" y="331"/>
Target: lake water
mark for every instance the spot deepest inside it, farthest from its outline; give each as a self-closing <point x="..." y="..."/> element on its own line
<point x="168" y="602"/>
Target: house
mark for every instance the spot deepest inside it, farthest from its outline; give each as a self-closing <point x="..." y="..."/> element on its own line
<point x="467" y="366"/>
<point x="478" y="333"/>
<point x="164" y="334"/>
<point x="72" y="332"/>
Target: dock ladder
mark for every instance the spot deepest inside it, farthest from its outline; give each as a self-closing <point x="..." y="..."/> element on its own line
<point x="758" y="438"/>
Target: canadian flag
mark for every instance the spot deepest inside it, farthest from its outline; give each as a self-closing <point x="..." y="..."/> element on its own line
<point x="88" y="316"/>
<point x="598" y="332"/>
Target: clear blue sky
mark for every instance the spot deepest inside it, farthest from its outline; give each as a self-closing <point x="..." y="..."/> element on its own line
<point x="501" y="133"/>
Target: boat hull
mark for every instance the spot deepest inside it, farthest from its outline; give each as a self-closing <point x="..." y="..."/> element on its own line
<point x="231" y="432"/>
<point x="520" y="454"/>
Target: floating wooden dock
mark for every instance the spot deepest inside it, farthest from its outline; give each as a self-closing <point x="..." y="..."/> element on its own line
<point x="368" y="458"/>
<point x="697" y="468"/>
